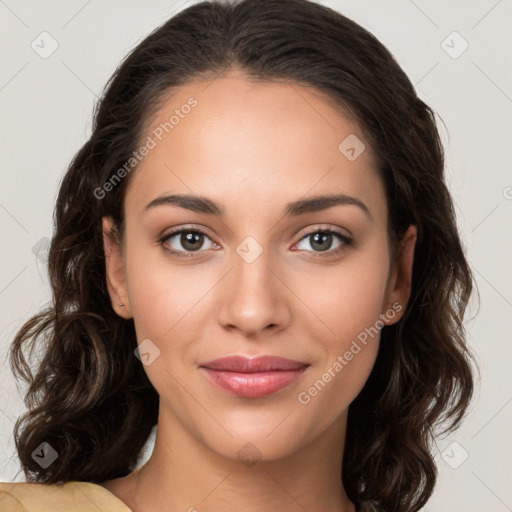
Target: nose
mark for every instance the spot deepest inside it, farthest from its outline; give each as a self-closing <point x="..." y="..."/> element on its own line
<point x="255" y="297"/>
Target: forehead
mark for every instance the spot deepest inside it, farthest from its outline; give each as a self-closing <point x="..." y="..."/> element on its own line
<point x="253" y="143"/>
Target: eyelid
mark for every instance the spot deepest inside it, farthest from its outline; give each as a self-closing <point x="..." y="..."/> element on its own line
<point x="327" y="229"/>
<point x="185" y="227"/>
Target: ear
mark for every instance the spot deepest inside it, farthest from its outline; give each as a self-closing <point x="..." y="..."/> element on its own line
<point x="116" y="278"/>
<point x="399" y="283"/>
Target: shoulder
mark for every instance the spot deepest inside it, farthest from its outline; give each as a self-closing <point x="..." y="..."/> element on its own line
<point x="69" y="497"/>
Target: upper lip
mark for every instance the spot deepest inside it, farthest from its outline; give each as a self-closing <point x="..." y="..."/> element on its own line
<point x="258" y="364"/>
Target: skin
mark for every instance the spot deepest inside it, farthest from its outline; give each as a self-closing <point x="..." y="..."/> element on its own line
<point x="253" y="147"/>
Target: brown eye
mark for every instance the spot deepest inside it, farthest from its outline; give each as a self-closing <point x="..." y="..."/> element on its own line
<point x="322" y="240"/>
<point x="184" y="241"/>
<point x="191" y="241"/>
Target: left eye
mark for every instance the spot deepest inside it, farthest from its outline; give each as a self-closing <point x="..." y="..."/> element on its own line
<point x="321" y="240"/>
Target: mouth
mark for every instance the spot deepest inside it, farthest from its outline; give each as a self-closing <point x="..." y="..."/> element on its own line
<point x="253" y="378"/>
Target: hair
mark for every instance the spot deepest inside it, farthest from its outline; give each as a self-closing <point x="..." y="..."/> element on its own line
<point x="89" y="397"/>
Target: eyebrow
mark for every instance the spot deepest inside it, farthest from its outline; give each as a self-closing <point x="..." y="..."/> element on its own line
<point x="202" y="204"/>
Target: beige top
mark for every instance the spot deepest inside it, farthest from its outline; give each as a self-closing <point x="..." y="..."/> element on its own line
<point x="71" y="497"/>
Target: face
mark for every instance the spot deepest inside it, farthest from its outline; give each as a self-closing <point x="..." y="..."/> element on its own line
<point x="271" y="273"/>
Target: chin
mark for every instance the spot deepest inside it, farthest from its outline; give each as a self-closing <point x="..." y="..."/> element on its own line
<point x="276" y="437"/>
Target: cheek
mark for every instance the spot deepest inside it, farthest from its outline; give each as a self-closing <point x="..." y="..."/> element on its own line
<point x="162" y="294"/>
<point x="347" y="307"/>
<point x="343" y="299"/>
<point x="347" y="357"/>
<point x="165" y="300"/>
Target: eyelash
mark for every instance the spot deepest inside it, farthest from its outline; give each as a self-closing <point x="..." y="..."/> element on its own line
<point x="346" y="241"/>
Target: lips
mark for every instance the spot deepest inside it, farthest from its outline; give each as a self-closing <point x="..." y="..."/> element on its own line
<point x="258" y="364"/>
<point x="253" y="378"/>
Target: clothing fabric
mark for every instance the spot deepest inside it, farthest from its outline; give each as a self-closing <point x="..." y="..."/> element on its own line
<point x="69" y="497"/>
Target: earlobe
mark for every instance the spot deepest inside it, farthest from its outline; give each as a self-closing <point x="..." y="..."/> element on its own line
<point x="400" y="283"/>
<point x="114" y="269"/>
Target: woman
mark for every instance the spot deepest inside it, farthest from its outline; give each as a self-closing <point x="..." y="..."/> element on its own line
<point x="256" y="252"/>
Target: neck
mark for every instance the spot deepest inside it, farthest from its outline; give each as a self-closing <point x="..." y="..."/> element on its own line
<point x="184" y="474"/>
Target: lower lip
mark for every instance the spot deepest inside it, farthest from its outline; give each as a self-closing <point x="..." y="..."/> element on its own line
<point x="253" y="385"/>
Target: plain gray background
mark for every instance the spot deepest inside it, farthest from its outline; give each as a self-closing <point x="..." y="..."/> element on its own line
<point x="46" y="106"/>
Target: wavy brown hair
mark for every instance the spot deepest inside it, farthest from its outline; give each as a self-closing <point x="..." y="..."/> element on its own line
<point x="89" y="397"/>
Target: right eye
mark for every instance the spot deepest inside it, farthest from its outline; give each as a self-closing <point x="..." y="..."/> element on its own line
<point x="190" y="240"/>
